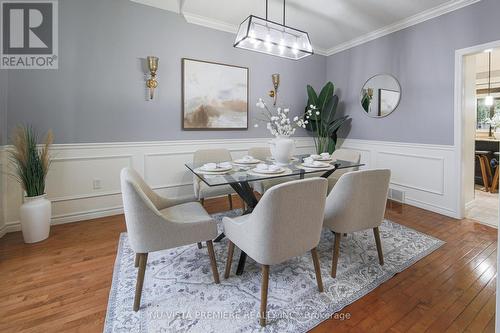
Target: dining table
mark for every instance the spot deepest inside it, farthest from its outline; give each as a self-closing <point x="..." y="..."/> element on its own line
<point x="241" y="175"/>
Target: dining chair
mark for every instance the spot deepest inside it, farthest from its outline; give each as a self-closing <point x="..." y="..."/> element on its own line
<point x="202" y="190"/>
<point x="260" y="153"/>
<point x="156" y="223"/>
<point x="343" y="155"/>
<point x="357" y="202"/>
<point x="286" y="223"/>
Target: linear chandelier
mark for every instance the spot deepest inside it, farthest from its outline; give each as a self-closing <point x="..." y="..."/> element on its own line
<point x="265" y="36"/>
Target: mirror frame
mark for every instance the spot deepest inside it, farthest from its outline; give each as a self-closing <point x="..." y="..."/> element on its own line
<point x="397" y="105"/>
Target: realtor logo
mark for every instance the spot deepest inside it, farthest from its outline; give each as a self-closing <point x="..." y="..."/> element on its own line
<point x="29" y="38"/>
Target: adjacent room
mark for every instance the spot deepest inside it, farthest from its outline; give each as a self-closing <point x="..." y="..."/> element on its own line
<point x="249" y="166"/>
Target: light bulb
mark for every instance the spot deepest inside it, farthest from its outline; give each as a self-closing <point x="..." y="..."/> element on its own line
<point x="488" y="101"/>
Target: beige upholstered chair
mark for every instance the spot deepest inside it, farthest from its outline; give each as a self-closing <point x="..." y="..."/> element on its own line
<point x="343" y="155"/>
<point x="202" y="190"/>
<point x="357" y="202"/>
<point x="156" y="223"/>
<point x="260" y="153"/>
<point x="286" y="223"/>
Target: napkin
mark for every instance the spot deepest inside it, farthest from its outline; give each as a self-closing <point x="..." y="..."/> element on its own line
<point x="325" y="155"/>
<point x="315" y="156"/>
<point x="225" y="165"/>
<point x="274" y="168"/>
<point x="308" y="160"/>
<point x="247" y="158"/>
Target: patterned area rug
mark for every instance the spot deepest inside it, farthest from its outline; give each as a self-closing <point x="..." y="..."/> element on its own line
<point x="179" y="294"/>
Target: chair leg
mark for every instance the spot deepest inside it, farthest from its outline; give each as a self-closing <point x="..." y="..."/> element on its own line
<point x="136" y="264"/>
<point x="494" y="182"/>
<point x="143" y="259"/>
<point x="482" y="164"/>
<point x="202" y="201"/>
<point x="263" y="295"/>
<point x="230" y="198"/>
<point x="336" y="252"/>
<point x="200" y="245"/>
<point x="213" y="263"/>
<point x="317" y="269"/>
<point x="230" y="252"/>
<point x="376" y="233"/>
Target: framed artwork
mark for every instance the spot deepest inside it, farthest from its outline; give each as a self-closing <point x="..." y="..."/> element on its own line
<point x="214" y="96"/>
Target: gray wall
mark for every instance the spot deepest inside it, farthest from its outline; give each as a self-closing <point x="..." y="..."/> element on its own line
<point x="422" y="57"/>
<point x="3" y="106"/>
<point x="98" y="93"/>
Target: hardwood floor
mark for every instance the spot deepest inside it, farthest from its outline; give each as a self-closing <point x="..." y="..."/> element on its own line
<point x="62" y="284"/>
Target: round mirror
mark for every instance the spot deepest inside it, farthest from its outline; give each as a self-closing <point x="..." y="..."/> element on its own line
<point x="380" y="95"/>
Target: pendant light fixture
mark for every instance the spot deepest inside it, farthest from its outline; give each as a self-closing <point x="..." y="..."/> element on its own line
<point x="488" y="101"/>
<point x="265" y="36"/>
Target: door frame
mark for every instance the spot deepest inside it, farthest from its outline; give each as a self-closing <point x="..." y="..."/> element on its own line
<point x="459" y="119"/>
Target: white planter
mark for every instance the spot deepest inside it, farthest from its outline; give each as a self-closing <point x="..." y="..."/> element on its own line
<point x="282" y="149"/>
<point x="35" y="216"/>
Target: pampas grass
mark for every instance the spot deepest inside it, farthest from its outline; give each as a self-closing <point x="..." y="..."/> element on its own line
<point x="31" y="163"/>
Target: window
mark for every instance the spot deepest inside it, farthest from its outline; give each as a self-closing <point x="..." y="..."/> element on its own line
<point x="485" y="112"/>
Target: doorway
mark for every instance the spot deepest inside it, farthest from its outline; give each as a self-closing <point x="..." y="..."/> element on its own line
<point x="481" y="111"/>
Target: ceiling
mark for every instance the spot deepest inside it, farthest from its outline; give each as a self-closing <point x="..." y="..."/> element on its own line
<point x="333" y="26"/>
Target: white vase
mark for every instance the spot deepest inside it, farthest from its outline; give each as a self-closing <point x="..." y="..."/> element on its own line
<point x="282" y="149"/>
<point x="35" y="216"/>
<point x="497" y="134"/>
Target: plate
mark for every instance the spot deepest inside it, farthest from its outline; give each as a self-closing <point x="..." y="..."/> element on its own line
<point x="322" y="159"/>
<point x="218" y="169"/>
<point x="242" y="161"/>
<point x="268" y="172"/>
<point x="293" y="159"/>
<point x="320" y="166"/>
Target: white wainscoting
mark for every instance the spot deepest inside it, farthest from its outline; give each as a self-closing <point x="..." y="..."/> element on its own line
<point x="426" y="173"/>
<point x="421" y="171"/>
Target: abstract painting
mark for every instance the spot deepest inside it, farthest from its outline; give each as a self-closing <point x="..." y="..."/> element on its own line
<point x="214" y="96"/>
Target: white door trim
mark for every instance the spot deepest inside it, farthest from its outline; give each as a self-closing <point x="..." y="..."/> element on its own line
<point x="459" y="116"/>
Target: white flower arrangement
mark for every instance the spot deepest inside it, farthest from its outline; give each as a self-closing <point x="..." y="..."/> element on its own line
<point x="494" y="121"/>
<point x="278" y="121"/>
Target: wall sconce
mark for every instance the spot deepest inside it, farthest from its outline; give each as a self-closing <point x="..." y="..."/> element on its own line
<point x="151" y="83"/>
<point x="276" y="83"/>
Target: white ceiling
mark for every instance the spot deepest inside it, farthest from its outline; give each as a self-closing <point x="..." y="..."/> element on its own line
<point x="333" y="25"/>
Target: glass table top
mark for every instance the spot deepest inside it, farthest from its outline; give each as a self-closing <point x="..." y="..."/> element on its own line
<point x="248" y="172"/>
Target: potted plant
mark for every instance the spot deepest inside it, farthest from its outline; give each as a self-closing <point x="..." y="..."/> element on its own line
<point x="31" y="167"/>
<point x="281" y="127"/>
<point x="320" y="115"/>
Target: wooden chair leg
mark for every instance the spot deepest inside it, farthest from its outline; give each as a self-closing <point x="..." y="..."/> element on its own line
<point x="202" y="201"/>
<point x="230" y="198"/>
<point x="317" y="269"/>
<point x="336" y="252"/>
<point x="263" y="295"/>
<point x="200" y="245"/>
<point x="211" y="254"/>
<point x="143" y="259"/>
<point x="494" y="182"/>
<point x="230" y="252"/>
<point x="376" y="233"/>
<point x="136" y="264"/>
<point x="488" y="168"/>
<point x="483" y="173"/>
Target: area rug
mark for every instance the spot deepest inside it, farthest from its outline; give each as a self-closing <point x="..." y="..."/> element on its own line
<point x="179" y="294"/>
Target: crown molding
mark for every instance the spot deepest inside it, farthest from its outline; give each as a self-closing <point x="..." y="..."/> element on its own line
<point x="403" y="24"/>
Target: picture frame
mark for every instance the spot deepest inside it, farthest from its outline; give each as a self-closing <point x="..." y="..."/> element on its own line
<point x="214" y="96"/>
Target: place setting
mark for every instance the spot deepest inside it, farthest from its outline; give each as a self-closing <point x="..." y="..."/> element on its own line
<point x="268" y="169"/>
<point x="215" y="168"/>
<point x="309" y="163"/>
